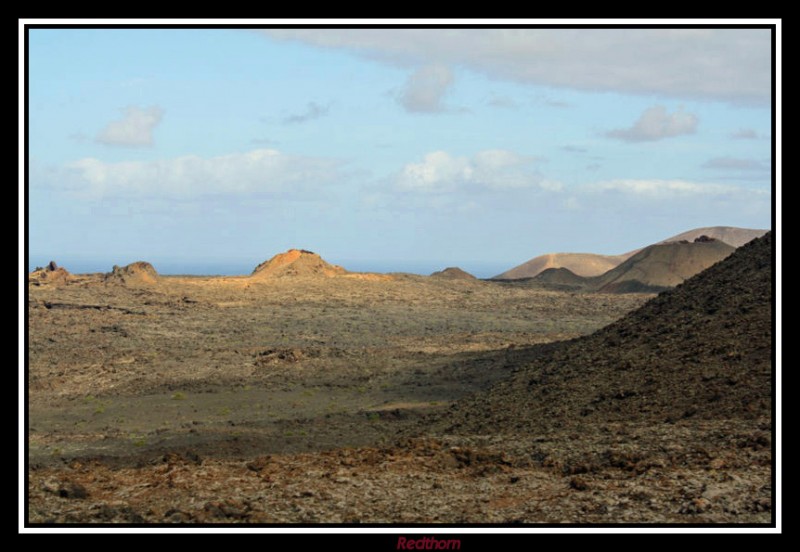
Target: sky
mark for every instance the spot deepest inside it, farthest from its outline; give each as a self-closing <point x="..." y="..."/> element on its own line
<point x="389" y="149"/>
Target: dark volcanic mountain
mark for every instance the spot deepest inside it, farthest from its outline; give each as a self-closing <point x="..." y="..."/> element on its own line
<point x="702" y="351"/>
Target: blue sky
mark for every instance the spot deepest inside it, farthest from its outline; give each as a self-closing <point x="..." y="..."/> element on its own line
<point x="395" y="149"/>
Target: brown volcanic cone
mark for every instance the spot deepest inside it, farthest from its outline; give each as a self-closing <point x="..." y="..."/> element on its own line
<point x="731" y="235"/>
<point x="591" y="264"/>
<point x="453" y="273"/>
<point x="702" y="351"/>
<point x="582" y="264"/>
<point x="140" y="272"/>
<point x="662" y="266"/>
<point x="51" y="274"/>
<point x="562" y="277"/>
<point x="296" y="263"/>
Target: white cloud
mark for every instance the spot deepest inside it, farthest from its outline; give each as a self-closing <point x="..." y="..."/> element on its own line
<point x="313" y="111"/>
<point x="134" y="129"/>
<point x="626" y="202"/>
<point x="259" y="171"/>
<point x="425" y="89"/>
<point x="668" y="189"/>
<point x="731" y="65"/>
<point x="440" y="172"/>
<point x="655" y="124"/>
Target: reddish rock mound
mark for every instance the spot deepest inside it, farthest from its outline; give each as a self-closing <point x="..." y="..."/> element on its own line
<point x="453" y="273"/>
<point x="51" y="274"/>
<point x="139" y="272"/>
<point x="296" y="263"/>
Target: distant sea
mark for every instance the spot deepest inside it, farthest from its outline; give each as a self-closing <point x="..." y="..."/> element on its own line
<point x="232" y="268"/>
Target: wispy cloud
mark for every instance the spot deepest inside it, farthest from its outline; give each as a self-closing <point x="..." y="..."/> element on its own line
<point x="503" y="101"/>
<point x="734" y="163"/>
<point x="134" y="129"/>
<point x="666" y="189"/>
<point x="735" y="64"/>
<point x="550" y="102"/>
<point x="656" y="124"/>
<point x="261" y="171"/>
<point x="744" y="134"/>
<point x="313" y="111"/>
<point x="263" y="141"/>
<point x="425" y="89"/>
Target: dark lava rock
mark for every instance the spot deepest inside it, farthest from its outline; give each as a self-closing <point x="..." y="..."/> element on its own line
<point x="670" y="359"/>
<point x="70" y="489"/>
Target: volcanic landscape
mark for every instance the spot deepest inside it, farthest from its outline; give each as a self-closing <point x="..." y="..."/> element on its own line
<point x="306" y="393"/>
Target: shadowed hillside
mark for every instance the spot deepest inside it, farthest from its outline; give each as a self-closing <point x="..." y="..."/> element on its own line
<point x="700" y="351"/>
